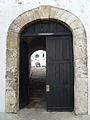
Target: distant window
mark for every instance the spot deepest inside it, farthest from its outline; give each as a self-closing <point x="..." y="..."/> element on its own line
<point x="43" y="55"/>
<point x="37" y="56"/>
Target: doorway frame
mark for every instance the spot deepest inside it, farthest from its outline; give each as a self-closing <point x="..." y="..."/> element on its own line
<point x="79" y="48"/>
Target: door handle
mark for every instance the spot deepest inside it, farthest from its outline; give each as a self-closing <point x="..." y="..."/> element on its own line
<point x="48" y="88"/>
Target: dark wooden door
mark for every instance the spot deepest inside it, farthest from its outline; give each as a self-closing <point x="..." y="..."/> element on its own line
<point x="59" y="73"/>
<point x="23" y="75"/>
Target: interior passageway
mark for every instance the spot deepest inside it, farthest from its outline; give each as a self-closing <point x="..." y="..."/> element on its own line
<point x="37" y="89"/>
<point x="32" y="75"/>
<point x="37" y="79"/>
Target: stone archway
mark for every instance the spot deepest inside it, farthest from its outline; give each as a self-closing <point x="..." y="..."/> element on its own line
<point x="80" y="55"/>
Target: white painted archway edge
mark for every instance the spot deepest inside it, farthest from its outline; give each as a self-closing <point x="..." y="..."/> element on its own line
<point x="79" y="48"/>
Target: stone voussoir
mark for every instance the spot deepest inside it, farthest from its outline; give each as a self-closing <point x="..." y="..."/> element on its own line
<point x="36" y="13"/>
<point x="21" y="21"/>
<point x="53" y="12"/>
<point x="76" y="24"/>
<point x="29" y="16"/>
<point x="71" y="19"/>
<point x="62" y="15"/>
<point x="14" y="28"/>
<point x="12" y="40"/>
<point x="44" y="12"/>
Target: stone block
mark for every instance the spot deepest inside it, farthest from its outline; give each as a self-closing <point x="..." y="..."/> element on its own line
<point x="11" y="84"/>
<point x="81" y="85"/>
<point x="76" y="24"/>
<point x="81" y="103"/>
<point x="44" y="12"/>
<point x="79" y="52"/>
<point x="12" y="40"/>
<point x="53" y="12"/>
<point x="26" y="18"/>
<point x="11" y="64"/>
<point x="62" y="15"/>
<point x="71" y="19"/>
<point x="36" y="14"/>
<point x="11" y="101"/>
<point x="14" y="28"/>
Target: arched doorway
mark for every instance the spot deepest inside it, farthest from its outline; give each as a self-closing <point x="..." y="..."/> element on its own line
<point x="79" y="47"/>
<point x="58" y="42"/>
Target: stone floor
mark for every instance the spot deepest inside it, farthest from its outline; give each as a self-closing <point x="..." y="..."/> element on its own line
<point x="38" y="72"/>
<point x="37" y="89"/>
<point x="39" y="114"/>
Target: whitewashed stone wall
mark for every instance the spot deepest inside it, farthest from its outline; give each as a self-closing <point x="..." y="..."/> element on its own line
<point x="41" y="59"/>
<point x="10" y="9"/>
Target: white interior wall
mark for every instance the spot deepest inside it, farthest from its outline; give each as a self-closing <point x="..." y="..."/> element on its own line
<point x="10" y="9"/>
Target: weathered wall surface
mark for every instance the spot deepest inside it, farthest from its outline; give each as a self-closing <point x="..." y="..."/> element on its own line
<point x="10" y="9"/>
